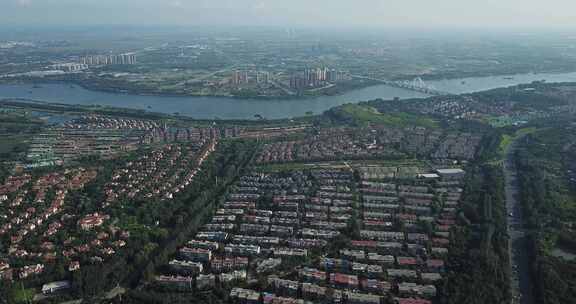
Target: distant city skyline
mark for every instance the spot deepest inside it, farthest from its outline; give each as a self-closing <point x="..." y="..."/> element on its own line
<point x="321" y="13"/>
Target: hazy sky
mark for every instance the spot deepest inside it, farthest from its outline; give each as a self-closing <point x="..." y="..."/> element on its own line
<point x="329" y="13"/>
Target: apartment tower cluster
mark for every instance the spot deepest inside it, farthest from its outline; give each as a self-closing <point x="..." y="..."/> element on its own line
<point x="125" y="59"/>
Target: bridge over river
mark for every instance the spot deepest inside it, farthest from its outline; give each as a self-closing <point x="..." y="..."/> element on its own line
<point x="417" y="85"/>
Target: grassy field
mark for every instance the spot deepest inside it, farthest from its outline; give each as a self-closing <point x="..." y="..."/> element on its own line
<point x="20" y="295"/>
<point x="547" y="162"/>
<point x="367" y="114"/>
<point x="505" y="143"/>
<point x="507" y="139"/>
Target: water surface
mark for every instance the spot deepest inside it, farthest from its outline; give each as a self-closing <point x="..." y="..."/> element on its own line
<point x="232" y="108"/>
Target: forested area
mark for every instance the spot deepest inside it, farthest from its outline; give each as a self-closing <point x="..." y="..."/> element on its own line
<point x="16" y="129"/>
<point x="229" y="161"/>
<point x="478" y="260"/>
<point x="4" y="172"/>
<point x="545" y="163"/>
<point x="523" y="95"/>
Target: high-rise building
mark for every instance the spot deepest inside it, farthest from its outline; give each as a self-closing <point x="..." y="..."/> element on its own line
<point x="244" y="77"/>
<point x="125" y="59"/>
<point x="298" y="82"/>
<point x="322" y="73"/>
<point x="262" y="77"/>
<point x="70" y="67"/>
<point x="239" y="78"/>
<point x="311" y="78"/>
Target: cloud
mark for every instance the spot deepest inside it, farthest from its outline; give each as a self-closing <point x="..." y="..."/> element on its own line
<point x="259" y="6"/>
<point x="24" y="3"/>
<point x="176" y="4"/>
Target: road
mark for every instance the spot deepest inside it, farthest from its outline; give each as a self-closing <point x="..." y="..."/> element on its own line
<point x="521" y="280"/>
<point x="114" y="293"/>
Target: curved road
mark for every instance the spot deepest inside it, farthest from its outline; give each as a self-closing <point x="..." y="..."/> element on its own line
<point x="521" y="280"/>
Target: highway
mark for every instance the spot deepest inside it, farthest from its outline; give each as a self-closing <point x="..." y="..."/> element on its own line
<point x="521" y="280"/>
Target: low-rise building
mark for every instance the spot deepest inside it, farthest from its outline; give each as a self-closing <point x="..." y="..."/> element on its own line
<point x="242" y="250"/>
<point x="53" y="287"/>
<point x="285" y="287"/>
<point x="268" y="265"/>
<point x="203" y="245"/>
<point x="186" y="267"/>
<point x="381" y="259"/>
<point x="205" y="281"/>
<point x="175" y="281"/>
<point x="269" y="298"/>
<point x="344" y="280"/>
<point x="29" y="270"/>
<point x="376" y="286"/>
<point x="236" y="275"/>
<point x="413" y="289"/>
<point x="214" y="236"/>
<point x="92" y="220"/>
<point x="74" y="266"/>
<point x="362" y="298"/>
<point x="411" y="301"/>
<point x="289" y="252"/>
<point x="430" y="277"/>
<point x="402" y="273"/>
<point x="451" y="174"/>
<point x="228" y="264"/>
<point x="196" y="254"/>
<point x="312" y="275"/>
<point x="245" y="296"/>
<point x="313" y="292"/>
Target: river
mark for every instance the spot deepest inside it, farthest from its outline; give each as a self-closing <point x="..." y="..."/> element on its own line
<point x="232" y="108"/>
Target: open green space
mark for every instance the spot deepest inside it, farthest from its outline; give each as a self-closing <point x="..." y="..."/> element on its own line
<point x="22" y="295"/>
<point x="508" y="139"/>
<point x="367" y="114"/>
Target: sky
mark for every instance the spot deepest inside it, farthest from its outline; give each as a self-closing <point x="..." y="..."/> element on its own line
<point x="307" y="13"/>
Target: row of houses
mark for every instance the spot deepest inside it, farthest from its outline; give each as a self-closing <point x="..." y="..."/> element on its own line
<point x="374" y="142"/>
<point x="315" y="294"/>
<point x="379" y="262"/>
<point x="160" y="174"/>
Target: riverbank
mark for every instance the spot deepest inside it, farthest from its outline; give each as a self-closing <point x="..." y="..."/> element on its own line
<point x="335" y="90"/>
<point x="224" y="108"/>
<point x="38" y="106"/>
